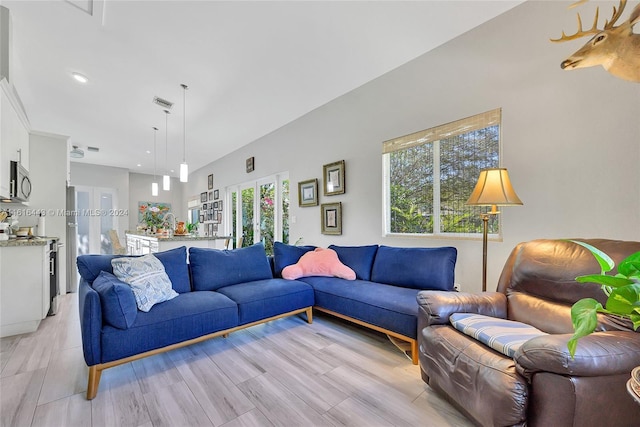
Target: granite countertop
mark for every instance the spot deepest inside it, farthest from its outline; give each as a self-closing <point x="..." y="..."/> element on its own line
<point x="174" y="238"/>
<point x="32" y="241"/>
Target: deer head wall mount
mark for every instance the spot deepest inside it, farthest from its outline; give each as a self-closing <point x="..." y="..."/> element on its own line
<point x="617" y="49"/>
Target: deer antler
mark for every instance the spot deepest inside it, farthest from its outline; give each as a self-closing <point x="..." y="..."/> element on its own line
<point x="617" y="12"/>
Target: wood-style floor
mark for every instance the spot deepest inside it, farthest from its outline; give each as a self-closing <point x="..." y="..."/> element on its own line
<point x="284" y="373"/>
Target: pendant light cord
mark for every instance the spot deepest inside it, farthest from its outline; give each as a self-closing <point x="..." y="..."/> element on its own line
<point x="166" y="140"/>
<point x="184" y="122"/>
<point x="155" y="152"/>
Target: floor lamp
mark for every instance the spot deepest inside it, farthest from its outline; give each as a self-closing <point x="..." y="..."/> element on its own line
<point x="492" y="189"/>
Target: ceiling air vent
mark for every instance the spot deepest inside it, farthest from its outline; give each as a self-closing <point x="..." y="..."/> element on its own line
<point x="162" y="102"/>
<point x="94" y="149"/>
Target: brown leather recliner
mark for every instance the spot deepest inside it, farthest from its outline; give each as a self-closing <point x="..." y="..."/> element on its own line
<point x="541" y="385"/>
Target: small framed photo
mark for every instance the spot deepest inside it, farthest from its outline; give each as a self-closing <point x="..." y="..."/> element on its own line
<point x="203" y="197"/>
<point x="201" y="218"/>
<point x="210" y="182"/>
<point x="216" y="194"/>
<point x="220" y="217"/>
<point x="215" y="228"/>
<point x="215" y="205"/>
<point x="211" y="232"/>
<point x="250" y="164"/>
<point x="210" y="195"/>
<point x="333" y="178"/>
<point x="308" y="193"/>
<point x="331" y="218"/>
<point x="220" y="204"/>
<point x="204" y="206"/>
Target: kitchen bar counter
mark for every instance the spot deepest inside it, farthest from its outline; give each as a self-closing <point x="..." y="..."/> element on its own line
<point x="139" y="243"/>
<point x="35" y="241"/>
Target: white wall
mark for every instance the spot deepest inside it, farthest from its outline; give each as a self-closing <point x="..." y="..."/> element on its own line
<point x="140" y="190"/>
<point x="570" y="139"/>
<point x="105" y="177"/>
<point x="47" y="155"/>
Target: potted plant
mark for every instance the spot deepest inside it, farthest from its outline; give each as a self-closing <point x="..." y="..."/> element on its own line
<point x="622" y="290"/>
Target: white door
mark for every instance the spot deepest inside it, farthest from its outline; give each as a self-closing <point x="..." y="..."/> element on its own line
<point x="94" y="208"/>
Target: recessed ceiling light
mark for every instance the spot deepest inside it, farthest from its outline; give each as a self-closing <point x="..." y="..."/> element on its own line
<point x="80" y="78"/>
<point x="139" y="164"/>
<point x="172" y="171"/>
<point x="148" y="151"/>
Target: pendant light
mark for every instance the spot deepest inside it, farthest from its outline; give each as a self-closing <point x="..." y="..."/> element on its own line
<point x="166" y="179"/>
<point x="184" y="168"/>
<point x="154" y="184"/>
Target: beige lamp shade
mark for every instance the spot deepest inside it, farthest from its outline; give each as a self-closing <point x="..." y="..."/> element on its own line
<point x="493" y="189"/>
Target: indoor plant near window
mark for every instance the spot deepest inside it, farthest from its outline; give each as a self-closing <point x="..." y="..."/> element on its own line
<point x="622" y="290"/>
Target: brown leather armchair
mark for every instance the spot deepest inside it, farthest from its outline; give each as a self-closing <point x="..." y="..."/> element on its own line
<point x="541" y="385"/>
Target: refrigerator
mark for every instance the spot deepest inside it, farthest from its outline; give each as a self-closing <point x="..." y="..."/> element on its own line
<point x="72" y="240"/>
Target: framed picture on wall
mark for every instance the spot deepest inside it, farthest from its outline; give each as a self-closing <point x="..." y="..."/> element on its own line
<point x="201" y="218"/>
<point x="308" y="193"/>
<point x="203" y="197"/>
<point x="333" y="178"/>
<point x="210" y="195"/>
<point x="216" y="194"/>
<point x="331" y="218"/>
<point x="250" y="164"/>
<point x="215" y="205"/>
<point x="210" y="182"/>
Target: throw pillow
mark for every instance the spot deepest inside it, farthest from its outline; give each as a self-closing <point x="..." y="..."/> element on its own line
<point x="117" y="301"/>
<point x="284" y="255"/>
<point x="320" y="262"/>
<point x="147" y="278"/>
<point x="502" y="335"/>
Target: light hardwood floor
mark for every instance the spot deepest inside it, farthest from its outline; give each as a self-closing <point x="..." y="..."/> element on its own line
<point x="284" y="373"/>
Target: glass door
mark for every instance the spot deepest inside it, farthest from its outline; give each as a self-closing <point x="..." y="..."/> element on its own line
<point x="93" y="209"/>
<point x="260" y="212"/>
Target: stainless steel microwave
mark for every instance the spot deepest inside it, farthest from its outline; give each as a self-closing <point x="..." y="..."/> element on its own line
<point x="19" y="183"/>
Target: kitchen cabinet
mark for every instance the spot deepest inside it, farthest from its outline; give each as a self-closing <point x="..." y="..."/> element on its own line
<point x="14" y="134"/>
<point x="141" y="244"/>
<point x="24" y="287"/>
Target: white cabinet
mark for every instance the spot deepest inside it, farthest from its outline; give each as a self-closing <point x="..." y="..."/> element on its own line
<point x="14" y="134"/>
<point x="24" y="288"/>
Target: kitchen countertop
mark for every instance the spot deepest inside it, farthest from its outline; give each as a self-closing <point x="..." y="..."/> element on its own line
<point x="175" y="237"/>
<point x="34" y="241"/>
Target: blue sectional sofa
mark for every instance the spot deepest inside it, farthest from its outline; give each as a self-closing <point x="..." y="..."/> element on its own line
<point x="219" y="292"/>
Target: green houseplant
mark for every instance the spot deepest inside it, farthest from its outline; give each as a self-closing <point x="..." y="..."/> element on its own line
<point x="622" y="290"/>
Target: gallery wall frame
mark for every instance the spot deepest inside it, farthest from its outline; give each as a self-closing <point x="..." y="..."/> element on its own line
<point x="308" y="193"/>
<point x="331" y="218"/>
<point x="333" y="178"/>
<point x="210" y="182"/>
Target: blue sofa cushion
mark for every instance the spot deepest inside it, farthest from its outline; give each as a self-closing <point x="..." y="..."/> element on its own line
<point x="174" y="262"/>
<point x="390" y="307"/>
<point x="116" y="299"/>
<point x="266" y="298"/>
<point x="285" y="255"/>
<point x="358" y="258"/>
<point x="417" y="268"/>
<point x="212" y="269"/>
<point x="187" y="316"/>
<point x="502" y="335"/>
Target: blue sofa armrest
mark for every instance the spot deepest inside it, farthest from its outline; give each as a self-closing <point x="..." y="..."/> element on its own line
<point x="90" y="322"/>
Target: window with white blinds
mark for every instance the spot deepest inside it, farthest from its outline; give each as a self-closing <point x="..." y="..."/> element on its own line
<point x="429" y="175"/>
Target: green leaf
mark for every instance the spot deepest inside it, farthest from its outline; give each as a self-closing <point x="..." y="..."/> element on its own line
<point x="624" y="300"/>
<point x="600" y="279"/>
<point x="605" y="261"/>
<point x="584" y="318"/>
<point x="630" y="266"/>
<point x="635" y="318"/>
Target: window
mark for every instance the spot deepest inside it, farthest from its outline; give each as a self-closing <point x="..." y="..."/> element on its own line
<point x="429" y="175"/>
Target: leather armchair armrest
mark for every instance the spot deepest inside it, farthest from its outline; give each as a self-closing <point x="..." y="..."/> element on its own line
<point x="435" y="307"/>
<point x="598" y="354"/>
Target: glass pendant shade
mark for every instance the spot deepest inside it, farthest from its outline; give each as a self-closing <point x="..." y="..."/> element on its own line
<point x="184" y="172"/>
<point x="154" y="188"/>
<point x="166" y="182"/>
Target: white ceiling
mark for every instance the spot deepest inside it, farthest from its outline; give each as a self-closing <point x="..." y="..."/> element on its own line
<point x="251" y="67"/>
